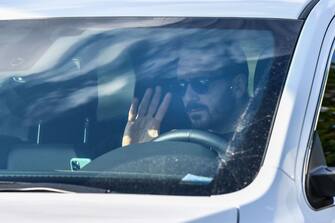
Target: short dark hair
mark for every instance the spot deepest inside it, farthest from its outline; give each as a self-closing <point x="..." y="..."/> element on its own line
<point x="213" y="56"/>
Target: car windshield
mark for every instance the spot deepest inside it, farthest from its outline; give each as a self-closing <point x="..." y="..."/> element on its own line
<point x="140" y="105"/>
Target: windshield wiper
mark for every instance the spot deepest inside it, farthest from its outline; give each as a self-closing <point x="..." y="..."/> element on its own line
<point x="13" y="186"/>
<point x="102" y="182"/>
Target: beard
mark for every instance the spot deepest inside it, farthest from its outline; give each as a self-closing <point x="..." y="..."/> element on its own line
<point x="199" y="116"/>
<point x="204" y="118"/>
<point x="199" y="120"/>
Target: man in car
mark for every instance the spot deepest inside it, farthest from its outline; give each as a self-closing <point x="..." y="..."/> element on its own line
<point x="212" y="83"/>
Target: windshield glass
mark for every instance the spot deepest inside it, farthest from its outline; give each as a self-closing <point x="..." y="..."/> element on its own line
<point x="140" y="105"/>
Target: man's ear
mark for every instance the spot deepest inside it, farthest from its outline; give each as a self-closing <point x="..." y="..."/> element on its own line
<point x="239" y="85"/>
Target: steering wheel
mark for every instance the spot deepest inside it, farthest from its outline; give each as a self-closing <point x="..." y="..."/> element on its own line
<point x="209" y="140"/>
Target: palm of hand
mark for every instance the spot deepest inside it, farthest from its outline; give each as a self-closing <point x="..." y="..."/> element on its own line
<point x="144" y="120"/>
<point x="141" y="130"/>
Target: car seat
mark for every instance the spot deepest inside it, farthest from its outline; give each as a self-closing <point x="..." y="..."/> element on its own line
<point x="59" y="130"/>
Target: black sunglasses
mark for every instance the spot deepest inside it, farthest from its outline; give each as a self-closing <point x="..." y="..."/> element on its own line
<point x="199" y="85"/>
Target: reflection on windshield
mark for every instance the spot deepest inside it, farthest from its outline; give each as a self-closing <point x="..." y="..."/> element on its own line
<point x="183" y="103"/>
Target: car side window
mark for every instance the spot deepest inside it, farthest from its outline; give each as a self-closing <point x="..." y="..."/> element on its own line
<point x="326" y="121"/>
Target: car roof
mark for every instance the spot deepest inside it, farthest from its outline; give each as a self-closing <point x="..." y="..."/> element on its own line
<point x="289" y="9"/>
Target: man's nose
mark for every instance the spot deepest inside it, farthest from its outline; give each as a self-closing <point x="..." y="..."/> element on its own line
<point x="190" y="94"/>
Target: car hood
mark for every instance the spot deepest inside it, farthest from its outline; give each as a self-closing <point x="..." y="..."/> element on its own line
<point x="42" y="207"/>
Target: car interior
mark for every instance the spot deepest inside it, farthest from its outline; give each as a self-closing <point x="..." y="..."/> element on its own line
<point x="78" y="108"/>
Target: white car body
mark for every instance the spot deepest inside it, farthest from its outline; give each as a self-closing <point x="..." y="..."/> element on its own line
<point x="278" y="192"/>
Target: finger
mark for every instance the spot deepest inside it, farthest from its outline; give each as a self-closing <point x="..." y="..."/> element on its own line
<point x="133" y="110"/>
<point x="155" y="101"/>
<point x="142" y="109"/>
<point x="126" y="140"/>
<point x="163" y="107"/>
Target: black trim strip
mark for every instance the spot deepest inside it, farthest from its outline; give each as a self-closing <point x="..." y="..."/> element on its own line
<point x="303" y="15"/>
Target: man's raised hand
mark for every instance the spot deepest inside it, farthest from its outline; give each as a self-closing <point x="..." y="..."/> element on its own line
<point x="144" y="120"/>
